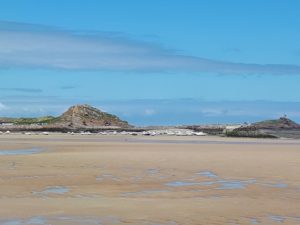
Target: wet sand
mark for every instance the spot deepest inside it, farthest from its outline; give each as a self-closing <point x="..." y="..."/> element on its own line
<point x="64" y="179"/>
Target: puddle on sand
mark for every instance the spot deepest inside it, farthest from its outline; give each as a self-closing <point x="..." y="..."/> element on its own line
<point x="11" y="222"/>
<point x="37" y="220"/>
<point x="187" y="183"/>
<point x="108" y="177"/>
<point x="53" y="190"/>
<point x="234" y="184"/>
<point x="152" y="171"/>
<point x="233" y="222"/>
<point x="136" y="178"/>
<point x="224" y="184"/>
<point x="279" y="219"/>
<point x="218" y="183"/>
<point x="72" y="220"/>
<point x="167" y="223"/>
<point x="278" y="185"/>
<point x="145" y="192"/>
<point x="207" y="174"/>
<point x="20" y="151"/>
<point x="254" y="221"/>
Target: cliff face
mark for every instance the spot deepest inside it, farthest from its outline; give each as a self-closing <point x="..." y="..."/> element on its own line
<point x="85" y="116"/>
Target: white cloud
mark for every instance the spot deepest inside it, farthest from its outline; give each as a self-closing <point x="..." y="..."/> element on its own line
<point x="150" y="112"/>
<point x="2" y="106"/>
<point x="34" y="46"/>
<point x="212" y="111"/>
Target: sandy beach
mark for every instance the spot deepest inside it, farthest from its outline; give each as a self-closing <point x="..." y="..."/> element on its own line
<point x="64" y="179"/>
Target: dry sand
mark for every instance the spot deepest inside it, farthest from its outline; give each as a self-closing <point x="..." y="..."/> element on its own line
<point x="149" y="180"/>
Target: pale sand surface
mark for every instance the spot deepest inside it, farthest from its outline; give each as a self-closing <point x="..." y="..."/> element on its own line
<point x="149" y="180"/>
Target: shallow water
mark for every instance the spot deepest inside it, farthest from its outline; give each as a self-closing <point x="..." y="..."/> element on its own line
<point x="219" y="142"/>
<point x="223" y="184"/>
<point x="152" y="171"/>
<point x="12" y="222"/>
<point x="187" y="183"/>
<point x="37" y="220"/>
<point x="219" y="183"/>
<point x="107" y="177"/>
<point x="145" y="192"/>
<point x="20" y="151"/>
<point x="279" y="219"/>
<point x="254" y="221"/>
<point x="208" y="174"/>
<point x="277" y="185"/>
<point x="168" y="223"/>
<point x="171" y="141"/>
<point x="74" y="220"/>
<point x="53" y="190"/>
<point x="235" y="184"/>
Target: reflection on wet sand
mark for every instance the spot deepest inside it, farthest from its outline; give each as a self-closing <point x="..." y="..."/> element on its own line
<point x="162" y="182"/>
<point x="20" y="152"/>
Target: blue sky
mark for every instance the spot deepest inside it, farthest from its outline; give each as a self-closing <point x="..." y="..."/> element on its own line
<point x="152" y="62"/>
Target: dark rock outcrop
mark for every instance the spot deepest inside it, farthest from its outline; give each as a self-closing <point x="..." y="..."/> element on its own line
<point x="281" y="123"/>
<point x="282" y="127"/>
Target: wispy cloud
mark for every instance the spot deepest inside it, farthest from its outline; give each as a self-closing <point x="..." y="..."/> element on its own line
<point x="68" y="87"/>
<point x="232" y="50"/>
<point x="150" y="112"/>
<point x="35" y="46"/>
<point x="2" y="106"/>
<point x="24" y="90"/>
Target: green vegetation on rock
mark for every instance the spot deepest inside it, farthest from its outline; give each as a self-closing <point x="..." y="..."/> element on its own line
<point x="281" y="123"/>
<point x="40" y="120"/>
<point x="249" y="133"/>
